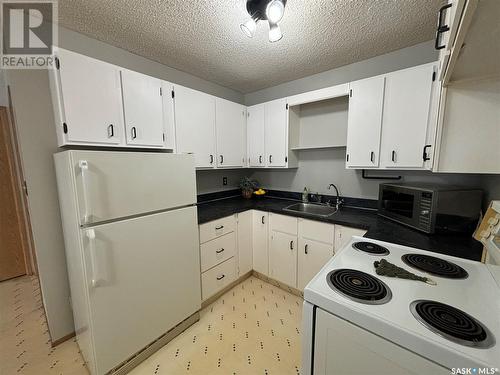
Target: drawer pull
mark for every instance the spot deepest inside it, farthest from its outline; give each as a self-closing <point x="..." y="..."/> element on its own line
<point x="219" y="251"/>
<point x="220" y="277"/>
<point x="263" y="222"/>
<point x="291" y="245"/>
<point x="219" y="228"/>
<point x="305" y="249"/>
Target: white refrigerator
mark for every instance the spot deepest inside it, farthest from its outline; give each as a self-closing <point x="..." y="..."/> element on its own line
<point x="132" y="248"/>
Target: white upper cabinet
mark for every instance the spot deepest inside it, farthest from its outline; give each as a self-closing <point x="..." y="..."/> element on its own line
<point x="87" y="101"/>
<point x="142" y="103"/>
<point x="231" y="133"/>
<point x="195" y="125"/>
<point x="276" y="133"/>
<point x="365" y="122"/>
<point x="167" y="90"/>
<point x="255" y="135"/>
<point x="407" y="104"/>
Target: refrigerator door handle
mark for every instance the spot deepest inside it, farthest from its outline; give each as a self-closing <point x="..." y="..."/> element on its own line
<point x="84" y="167"/>
<point x="96" y="279"/>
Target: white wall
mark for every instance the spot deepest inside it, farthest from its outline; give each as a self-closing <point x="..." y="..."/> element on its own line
<point x="4" y="101"/>
<point x="36" y="132"/>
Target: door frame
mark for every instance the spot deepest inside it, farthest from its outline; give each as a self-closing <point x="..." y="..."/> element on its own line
<point x="7" y="120"/>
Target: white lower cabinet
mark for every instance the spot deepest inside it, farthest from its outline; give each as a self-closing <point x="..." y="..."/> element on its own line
<point x="283" y="249"/>
<point x="245" y="242"/>
<point x="217" y="251"/>
<point x="217" y="278"/>
<point x="315" y="248"/>
<point x="288" y="249"/>
<point x="260" y="227"/>
<point x="344" y="234"/>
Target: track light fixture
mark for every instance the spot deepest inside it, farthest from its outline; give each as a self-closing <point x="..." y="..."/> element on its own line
<point x="271" y="11"/>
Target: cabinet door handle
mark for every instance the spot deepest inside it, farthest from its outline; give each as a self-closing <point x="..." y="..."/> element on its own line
<point x="393" y="156"/>
<point x="291" y="245"/>
<point x="305" y="249"/>
<point x="260" y="159"/>
<point x="134" y="132"/>
<point x="270" y="159"/>
<point x="425" y="156"/>
<point x="372" y="157"/>
<point x="263" y="222"/>
<point x="211" y="159"/>
<point x="220" y="277"/>
<point x="441" y="28"/>
<point x="111" y="131"/>
<point x="219" y="251"/>
<point x="220" y="227"/>
<point x="222" y="159"/>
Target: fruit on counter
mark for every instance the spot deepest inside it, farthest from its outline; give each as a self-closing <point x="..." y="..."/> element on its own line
<point x="259" y="192"/>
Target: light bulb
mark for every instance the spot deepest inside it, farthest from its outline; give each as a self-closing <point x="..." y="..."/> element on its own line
<point x="248" y="27"/>
<point x="274" y="32"/>
<point x="275" y="10"/>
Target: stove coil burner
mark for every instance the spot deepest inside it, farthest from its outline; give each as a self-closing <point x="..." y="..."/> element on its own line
<point x="435" y="266"/>
<point x="452" y="324"/>
<point x="359" y="286"/>
<point x="370" y="248"/>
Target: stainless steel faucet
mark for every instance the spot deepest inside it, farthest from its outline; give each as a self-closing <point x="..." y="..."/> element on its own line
<point x="338" y="201"/>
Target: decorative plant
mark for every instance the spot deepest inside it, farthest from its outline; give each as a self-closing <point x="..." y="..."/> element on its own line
<point x="248" y="185"/>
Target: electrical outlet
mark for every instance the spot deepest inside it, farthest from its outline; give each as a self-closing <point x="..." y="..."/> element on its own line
<point x="224" y="181"/>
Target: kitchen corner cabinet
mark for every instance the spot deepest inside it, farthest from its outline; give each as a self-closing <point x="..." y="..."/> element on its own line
<point x="283" y="249"/>
<point x="195" y="125"/>
<point x="230" y="133"/>
<point x="245" y="238"/>
<point x="316" y="246"/>
<point x="87" y="101"/>
<point x="392" y="120"/>
<point x="260" y="236"/>
<point x="143" y="109"/>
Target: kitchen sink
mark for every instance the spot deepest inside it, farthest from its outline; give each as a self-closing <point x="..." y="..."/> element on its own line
<point x="311" y="209"/>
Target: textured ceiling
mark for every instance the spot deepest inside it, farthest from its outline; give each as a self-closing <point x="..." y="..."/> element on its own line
<point x="203" y="37"/>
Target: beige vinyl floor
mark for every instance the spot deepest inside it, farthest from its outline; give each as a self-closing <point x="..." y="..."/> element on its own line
<point x="24" y="338"/>
<point x="254" y="328"/>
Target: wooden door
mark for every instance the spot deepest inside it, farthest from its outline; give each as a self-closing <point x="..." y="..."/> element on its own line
<point x="12" y="225"/>
<point x="364" y="122"/>
<point x="230" y="129"/>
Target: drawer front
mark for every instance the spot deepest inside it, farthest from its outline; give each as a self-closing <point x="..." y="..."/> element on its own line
<point x="217" y="251"/>
<point x="317" y="231"/>
<point x="218" y="278"/>
<point x="282" y="223"/>
<point x="217" y="228"/>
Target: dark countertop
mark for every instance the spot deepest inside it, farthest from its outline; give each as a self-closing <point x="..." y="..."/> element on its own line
<point x="377" y="227"/>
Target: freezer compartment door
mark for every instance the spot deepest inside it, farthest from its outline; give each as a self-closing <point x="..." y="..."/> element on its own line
<point x="143" y="277"/>
<point x="112" y="185"/>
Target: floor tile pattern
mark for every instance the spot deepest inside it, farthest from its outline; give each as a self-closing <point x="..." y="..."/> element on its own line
<point x="25" y="347"/>
<point x="254" y="328"/>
